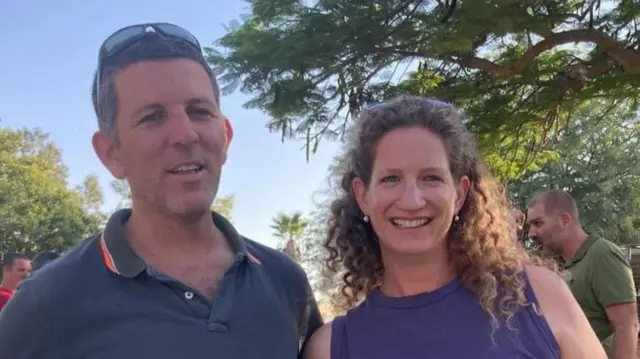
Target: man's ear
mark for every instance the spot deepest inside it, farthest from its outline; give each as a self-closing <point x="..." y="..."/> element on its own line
<point x="360" y="192"/>
<point x="228" y="134"/>
<point x="107" y="152"/>
<point x="462" y="189"/>
<point x="565" y="219"/>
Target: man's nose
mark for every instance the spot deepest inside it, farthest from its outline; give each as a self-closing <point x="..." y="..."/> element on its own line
<point x="412" y="197"/>
<point x="531" y="233"/>
<point x="181" y="128"/>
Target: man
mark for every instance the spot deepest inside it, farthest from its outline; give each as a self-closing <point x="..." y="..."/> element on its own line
<point x="167" y="279"/>
<point x="43" y="258"/>
<point x="16" y="267"/>
<point x="599" y="275"/>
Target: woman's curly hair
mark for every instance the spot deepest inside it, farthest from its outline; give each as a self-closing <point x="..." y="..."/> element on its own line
<point x="486" y="259"/>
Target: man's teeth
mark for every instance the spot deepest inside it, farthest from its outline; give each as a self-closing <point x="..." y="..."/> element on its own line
<point x="185" y="168"/>
<point x="410" y="223"/>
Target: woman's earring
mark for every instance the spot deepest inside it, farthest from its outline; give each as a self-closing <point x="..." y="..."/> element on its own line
<point x="366" y="219"/>
<point x="456" y="218"/>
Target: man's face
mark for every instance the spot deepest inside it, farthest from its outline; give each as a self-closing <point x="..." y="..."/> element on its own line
<point x="19" y="271"/>
<point x="545" y="228"/>
<point x="172" y="138"/>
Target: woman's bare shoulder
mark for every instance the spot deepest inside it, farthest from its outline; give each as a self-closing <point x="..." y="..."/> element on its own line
<point x="563" y="314"/>
<point x="319" y="346"/>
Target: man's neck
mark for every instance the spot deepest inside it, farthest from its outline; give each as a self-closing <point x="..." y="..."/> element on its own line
<point x="573" y="244"/>
<point x="159" y="238"/>
<point x="6" y="285"/>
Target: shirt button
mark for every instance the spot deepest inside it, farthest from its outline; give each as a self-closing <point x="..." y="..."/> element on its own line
<point x="188" y="295"/>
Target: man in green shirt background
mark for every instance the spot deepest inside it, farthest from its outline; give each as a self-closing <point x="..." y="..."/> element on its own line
<point x="599" y="275"/>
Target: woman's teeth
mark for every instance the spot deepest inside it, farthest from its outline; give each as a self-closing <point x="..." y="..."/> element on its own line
<point x="410" y="223"/>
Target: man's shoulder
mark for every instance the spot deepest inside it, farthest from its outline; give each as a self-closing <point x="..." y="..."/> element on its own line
<point x="4" y="292"/>
<point x="605" y="247"/>
<point x="64" y="273"/>
<point x="276" y="262"/>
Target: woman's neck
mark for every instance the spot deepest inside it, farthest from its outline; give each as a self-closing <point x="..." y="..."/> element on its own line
<point x="405" y="275"/>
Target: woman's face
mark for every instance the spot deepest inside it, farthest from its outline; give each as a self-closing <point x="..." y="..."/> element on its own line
<point x="412" y="197"/>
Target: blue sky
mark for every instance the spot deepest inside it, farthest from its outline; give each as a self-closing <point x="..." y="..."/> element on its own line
<point x="49" y="55"/>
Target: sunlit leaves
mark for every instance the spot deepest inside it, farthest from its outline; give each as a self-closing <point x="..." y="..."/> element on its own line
<point x="37" y="209"/>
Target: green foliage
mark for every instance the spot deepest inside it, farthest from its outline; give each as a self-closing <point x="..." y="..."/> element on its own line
<point x="91" y="194"/>
<point x="290" y="230"/>
<point x="513" y="66"/>
<point x="121" y="188"/>
<point x="598" y="165"/>
<point x="37" y="210"/>
<point x="224" y="206"/>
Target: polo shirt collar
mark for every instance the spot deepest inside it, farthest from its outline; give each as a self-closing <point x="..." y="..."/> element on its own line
<point x="120" y="258"/>
<point x="582" y="251"/>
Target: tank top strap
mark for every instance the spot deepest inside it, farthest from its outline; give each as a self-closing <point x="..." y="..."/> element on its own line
<point x="533" y="317"/>
<point x="339" y="348"/>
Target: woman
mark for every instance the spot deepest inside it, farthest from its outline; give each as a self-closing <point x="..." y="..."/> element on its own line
<point x="517" y="219"/>
<point x="421" y="232"/>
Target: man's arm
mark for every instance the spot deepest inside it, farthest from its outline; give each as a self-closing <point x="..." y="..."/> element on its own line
<point x="23" y="331"/>
<point x="615" y="291"/>
<point x="623" y="318"/>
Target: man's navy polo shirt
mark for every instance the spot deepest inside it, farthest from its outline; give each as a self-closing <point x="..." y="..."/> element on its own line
<point x="101" y="301"/>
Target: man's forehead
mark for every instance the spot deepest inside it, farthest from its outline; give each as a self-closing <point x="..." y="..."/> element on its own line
<point x="536" y="210"/>
<point x="22" y="262"/>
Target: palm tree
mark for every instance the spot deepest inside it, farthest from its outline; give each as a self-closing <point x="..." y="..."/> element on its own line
<point x="289" y="229"/>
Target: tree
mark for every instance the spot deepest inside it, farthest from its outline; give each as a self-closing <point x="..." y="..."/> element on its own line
<point x="224" y="206"/>
<point x="91" y="194"/>
<point x="290" y="229"/>
<point x="121" y="188"/>
<point x="512" y="65"/>
<point x="599" y="167"/>
<point x="37" y="209"/>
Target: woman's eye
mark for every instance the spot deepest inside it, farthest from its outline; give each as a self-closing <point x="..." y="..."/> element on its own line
<point x="390" y="179"/>
<point x="430" y="178"/>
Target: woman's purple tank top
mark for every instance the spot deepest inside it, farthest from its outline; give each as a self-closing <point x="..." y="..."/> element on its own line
<point x="448" y="323"/>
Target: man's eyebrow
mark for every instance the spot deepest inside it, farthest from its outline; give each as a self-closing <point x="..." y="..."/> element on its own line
<point x="150" y="106"/>
<point x="200" y="101"/>
<point x="203" y="102"/>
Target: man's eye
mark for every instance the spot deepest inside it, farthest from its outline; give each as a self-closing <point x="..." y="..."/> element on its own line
<point x="152" y="117"/>
<point x="200" y="112"/>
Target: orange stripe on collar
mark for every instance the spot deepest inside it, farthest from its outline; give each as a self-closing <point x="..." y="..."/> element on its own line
<point x="253" y="258"/>
<point x="106" y="256"/>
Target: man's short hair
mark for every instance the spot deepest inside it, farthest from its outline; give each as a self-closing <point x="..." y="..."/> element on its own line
<point x="557" y="201"/>
<point x="9" y="259"/>
<point x="152" y="47"/>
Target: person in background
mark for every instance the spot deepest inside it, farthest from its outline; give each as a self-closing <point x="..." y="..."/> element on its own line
<point x="43" y="258"/>
<point x="167" y="278"/>
<point x="421" y="233"/>
<point x="16" y="267"/>
<point x="599" y="275"/>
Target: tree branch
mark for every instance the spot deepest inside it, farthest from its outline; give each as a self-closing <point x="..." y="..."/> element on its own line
<point x="628" y="59"/>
